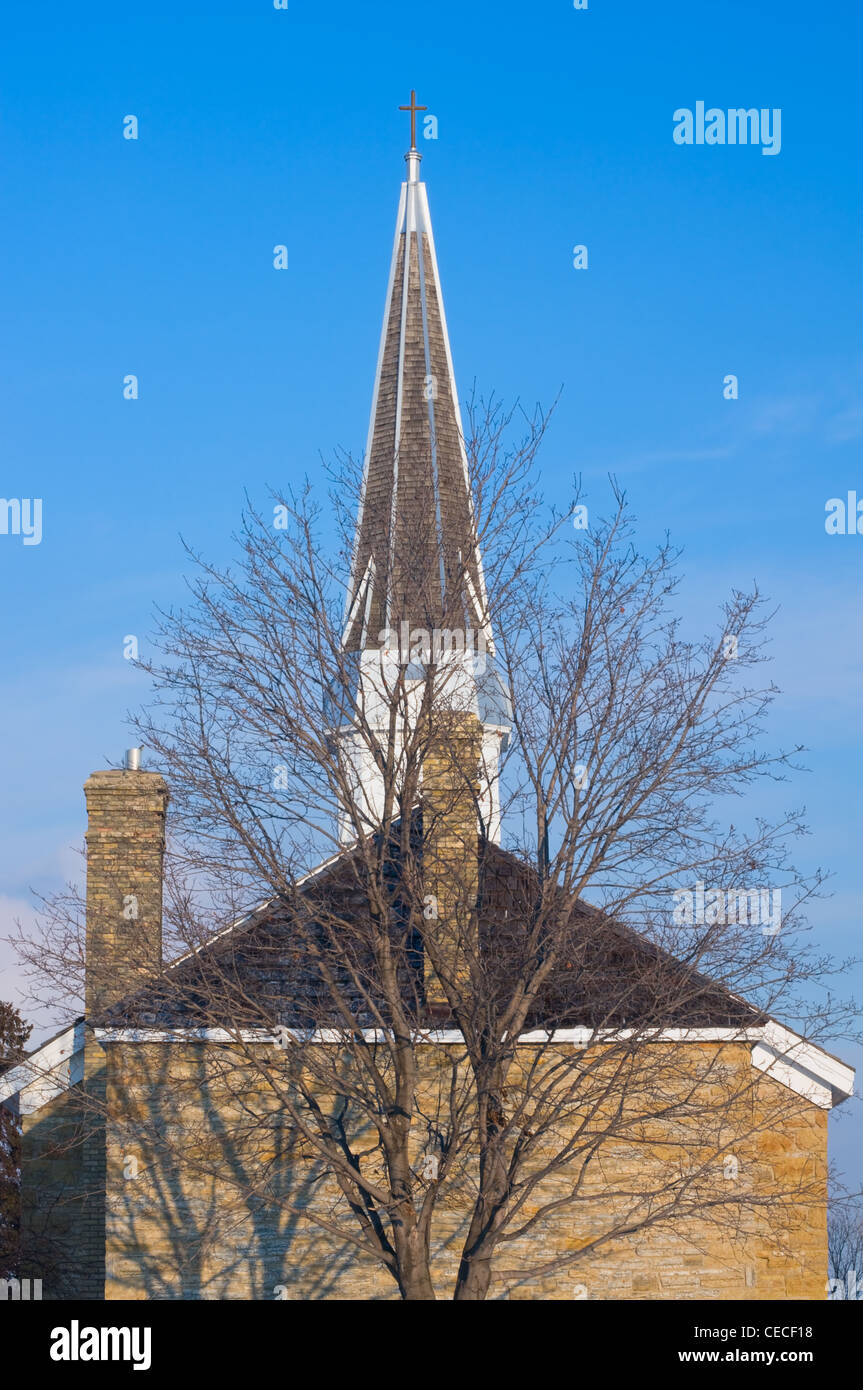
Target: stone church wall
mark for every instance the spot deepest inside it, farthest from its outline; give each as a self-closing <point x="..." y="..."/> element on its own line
<point x="207" y="1198"/>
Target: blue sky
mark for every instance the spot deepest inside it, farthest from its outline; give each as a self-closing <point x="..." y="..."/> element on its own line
<point x="259" y="127"/>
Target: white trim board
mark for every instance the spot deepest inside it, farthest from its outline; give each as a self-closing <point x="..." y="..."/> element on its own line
<point x="47" y="1072"/>
<point x="776" y="1050"/>
<point x="784" y="1055"/>
<point x="579" y="1037"/>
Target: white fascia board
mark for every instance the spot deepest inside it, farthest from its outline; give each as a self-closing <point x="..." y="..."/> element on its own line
<point x="426" y="216"/>
<point x="46" y="1072"/>
<point x="400" y="219"/>
<point x="579" y="1037"/>
<point x="267" y="902"/>
<point x="777" y="1051"/>
<point x="824" y="1064"/>
<point x="363" y="592"/>
<point x="258" y="1035"/>
<point x="797" y="1078"/>
<point x="232" y="926"/>
<point x="803" y="1066"/>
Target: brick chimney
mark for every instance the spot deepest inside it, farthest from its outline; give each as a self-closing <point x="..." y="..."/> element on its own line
<point x="125" y="848"/>
<point x="451" y="790"/>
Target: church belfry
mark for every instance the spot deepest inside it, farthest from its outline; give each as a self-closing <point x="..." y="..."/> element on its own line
<point x="417" y="594"/>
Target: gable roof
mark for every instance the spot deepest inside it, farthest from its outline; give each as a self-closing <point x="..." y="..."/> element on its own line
<point x="261" y="948"/>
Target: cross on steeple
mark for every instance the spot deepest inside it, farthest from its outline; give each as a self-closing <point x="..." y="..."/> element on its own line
<point x="413" y="108"/>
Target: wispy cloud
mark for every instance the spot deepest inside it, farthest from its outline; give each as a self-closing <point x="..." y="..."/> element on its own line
<point x="787" y="415"/>
<point x="846" y="425"/>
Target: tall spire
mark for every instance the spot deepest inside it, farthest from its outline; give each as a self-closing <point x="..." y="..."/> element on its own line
<point x="416" y="558"/>
<point x="416" y="563"/>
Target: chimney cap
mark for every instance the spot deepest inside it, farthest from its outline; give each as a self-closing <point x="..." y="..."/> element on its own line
<point x="132" y="760"/>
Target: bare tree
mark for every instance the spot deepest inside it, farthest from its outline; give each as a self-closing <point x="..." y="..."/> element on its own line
<point x="845" y="1249"/>
<point x="436" y="1050"/>
<point x="14" y="1033"/>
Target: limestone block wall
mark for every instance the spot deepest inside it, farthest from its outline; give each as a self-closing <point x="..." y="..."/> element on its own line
<point x="63" y="1198"/>
<point x="209" y="1196"/>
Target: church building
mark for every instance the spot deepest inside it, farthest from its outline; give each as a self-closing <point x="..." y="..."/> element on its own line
<point x="133" y="1119"/>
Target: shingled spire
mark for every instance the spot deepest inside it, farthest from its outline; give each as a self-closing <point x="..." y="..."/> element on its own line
<point x="416" y="559"/>
<point x="416" y="578"/>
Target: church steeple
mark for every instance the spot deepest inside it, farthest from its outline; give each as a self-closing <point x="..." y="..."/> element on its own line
<point x="416" y="560"/>
<point x="416" y="572"/>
